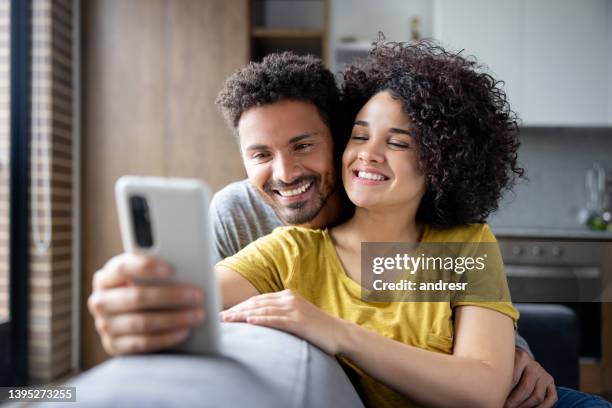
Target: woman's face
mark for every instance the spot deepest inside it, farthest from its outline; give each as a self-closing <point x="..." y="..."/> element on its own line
<point x="380" y="163"/>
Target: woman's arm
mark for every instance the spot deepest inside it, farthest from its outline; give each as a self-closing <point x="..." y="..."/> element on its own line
<point x="477" y="374"/>
<point x="234" y="287"/>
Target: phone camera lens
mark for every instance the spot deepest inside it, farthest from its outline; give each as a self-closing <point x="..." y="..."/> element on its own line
<point x="142" y="221"/>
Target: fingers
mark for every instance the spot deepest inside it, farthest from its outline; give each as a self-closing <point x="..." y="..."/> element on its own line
<point x="150" y="322"/>
<point x="124" y="267"/>
<point x="532" y="385"/>
<point x="268" y="305"/>
<point x="141" y="318"/>
<point x="138" y="298"/>
<point x="522" y="391"/>
<point x="131" y="344"/>
<point x="274" y="322"/>
<point x="275" y="303"/>
<point x="537" y="396"/>
<point x="245" y="314"/>
<point x="551" y="397"/>
<point x="259" y="300"/>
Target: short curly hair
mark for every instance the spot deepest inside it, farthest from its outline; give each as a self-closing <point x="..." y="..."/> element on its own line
<point x="465" y="130"/>
<point x="277" y="77"/>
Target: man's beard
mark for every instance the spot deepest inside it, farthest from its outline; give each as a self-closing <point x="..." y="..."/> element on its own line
<point x="301" y="212"/>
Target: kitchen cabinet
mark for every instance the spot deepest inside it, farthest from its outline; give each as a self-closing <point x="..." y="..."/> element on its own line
<point x="555" y="56"/>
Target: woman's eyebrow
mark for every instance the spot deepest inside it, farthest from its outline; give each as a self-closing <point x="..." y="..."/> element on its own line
<point x="391" y="130"/>
<point x="402" y="131"/>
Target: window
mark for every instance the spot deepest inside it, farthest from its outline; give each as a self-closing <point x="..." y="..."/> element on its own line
<point x="36" y="191"/>
<point x="5" y="134"/>
<point x="14" y="71"/>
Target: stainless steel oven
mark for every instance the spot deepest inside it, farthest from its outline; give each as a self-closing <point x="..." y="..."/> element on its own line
<point x="568" y="272"/>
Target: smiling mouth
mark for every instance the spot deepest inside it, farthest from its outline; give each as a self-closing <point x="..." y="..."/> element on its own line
<point x="287" y="193"/>
<point x="366" y="175"/>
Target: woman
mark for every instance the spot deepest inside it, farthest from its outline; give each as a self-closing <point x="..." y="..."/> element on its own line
<point x="433" y="146"/>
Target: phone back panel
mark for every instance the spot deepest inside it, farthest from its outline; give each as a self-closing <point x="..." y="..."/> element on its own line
<point x="178" y="212"/>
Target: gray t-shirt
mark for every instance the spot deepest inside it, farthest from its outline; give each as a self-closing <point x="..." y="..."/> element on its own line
<point x="239" y="216"/>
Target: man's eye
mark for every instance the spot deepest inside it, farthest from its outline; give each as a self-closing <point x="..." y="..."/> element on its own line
<point x="260" y="156"/>
<point x="303" y="146"/>
<point x="359" y="137"/>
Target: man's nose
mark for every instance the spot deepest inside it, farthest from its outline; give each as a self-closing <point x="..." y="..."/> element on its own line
<point x="285" y="169"/>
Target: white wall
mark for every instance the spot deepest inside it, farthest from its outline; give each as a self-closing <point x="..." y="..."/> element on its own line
<point x="553" y="55"/>
<point x="609" y="45"/>
<point x="363" y="19"/>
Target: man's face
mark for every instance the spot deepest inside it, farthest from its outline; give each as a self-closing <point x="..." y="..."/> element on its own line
<point x="287" y="151"/>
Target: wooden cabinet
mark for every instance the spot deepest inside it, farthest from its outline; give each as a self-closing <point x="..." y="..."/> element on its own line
<point x="288" y="25"/>
<point x="553" y="55"/>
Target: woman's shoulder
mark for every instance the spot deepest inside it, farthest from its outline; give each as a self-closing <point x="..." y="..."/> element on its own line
<point x="479" y="232"/>
<point x="299" y="236"/>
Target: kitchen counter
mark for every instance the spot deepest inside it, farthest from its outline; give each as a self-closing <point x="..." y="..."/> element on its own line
<point x="551" y="233"/>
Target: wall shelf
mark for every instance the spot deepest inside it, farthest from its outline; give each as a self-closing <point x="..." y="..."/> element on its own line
<point x="298" y="25"/>
<point x="266" y="32"/>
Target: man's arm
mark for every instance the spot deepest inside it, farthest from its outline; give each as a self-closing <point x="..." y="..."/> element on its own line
<point x="522" y="344"/>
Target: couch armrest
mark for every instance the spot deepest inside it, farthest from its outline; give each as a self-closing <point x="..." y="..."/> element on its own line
<point x="257" y="367"/>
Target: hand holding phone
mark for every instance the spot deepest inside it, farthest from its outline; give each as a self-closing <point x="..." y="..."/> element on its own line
<point x="167" y="219"/>
<point x="133" y="318"/>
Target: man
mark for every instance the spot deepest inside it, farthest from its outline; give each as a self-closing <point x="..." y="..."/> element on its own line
<point x="285" y="113"/>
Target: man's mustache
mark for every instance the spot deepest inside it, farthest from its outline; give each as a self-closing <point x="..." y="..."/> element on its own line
<point x="272" y="185"/>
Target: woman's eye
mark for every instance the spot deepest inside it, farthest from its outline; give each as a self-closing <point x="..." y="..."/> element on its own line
<point x="359" y="137"/>
<point x="399" y="145"/>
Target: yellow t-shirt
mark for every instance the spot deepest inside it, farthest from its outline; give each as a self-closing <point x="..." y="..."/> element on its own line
<point x="306" y="261"/>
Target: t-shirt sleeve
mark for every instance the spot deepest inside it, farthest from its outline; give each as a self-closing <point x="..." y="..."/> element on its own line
<point x="506" y="308"/>
<point x="489" y="287"/>
<point x="266" y="263"/>
<point x="222" y="241"/>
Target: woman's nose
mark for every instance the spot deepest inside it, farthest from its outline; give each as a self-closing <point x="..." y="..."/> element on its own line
<point x="370" y="154"/>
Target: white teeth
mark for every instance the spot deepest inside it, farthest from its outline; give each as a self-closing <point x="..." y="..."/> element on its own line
<point x="370" y="176"/>
<point x="295" y="191"/>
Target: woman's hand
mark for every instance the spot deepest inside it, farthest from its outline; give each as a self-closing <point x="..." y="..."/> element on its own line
<point x="289" y="312"/>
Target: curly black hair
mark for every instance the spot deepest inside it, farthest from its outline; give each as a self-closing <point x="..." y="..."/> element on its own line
<point x="465" y="130"/>
<point x="277" y="77"/>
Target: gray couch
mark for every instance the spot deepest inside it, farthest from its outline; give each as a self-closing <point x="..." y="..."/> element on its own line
<point x="258" y="367"/>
